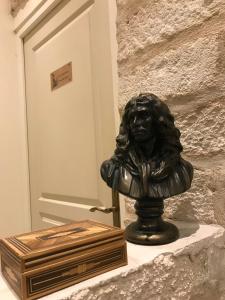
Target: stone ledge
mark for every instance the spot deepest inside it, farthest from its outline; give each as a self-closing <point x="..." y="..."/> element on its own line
<point x="198" y="258"/>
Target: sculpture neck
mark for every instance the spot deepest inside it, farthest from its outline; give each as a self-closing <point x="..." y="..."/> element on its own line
<point x="146" y="148"/>
<point x="149" y="211"/>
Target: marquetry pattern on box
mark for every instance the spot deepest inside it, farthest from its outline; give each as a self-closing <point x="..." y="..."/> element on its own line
<point x="41" y="262"/>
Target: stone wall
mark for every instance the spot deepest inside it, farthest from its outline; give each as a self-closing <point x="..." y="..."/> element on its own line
<point x="176" y="50"/>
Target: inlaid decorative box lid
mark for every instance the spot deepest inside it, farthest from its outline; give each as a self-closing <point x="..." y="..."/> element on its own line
<point x="42" y="246"/>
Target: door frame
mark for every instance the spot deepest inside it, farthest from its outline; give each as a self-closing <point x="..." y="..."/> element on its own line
<point x="26" y="19"/>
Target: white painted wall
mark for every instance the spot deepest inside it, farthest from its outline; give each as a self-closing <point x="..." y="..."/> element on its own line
<point x="14" y="208"/>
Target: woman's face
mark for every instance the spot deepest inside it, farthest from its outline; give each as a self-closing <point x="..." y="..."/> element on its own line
<point x="140" y="123"/>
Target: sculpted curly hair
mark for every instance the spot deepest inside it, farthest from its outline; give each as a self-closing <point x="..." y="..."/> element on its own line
<point x="168" y="136"/>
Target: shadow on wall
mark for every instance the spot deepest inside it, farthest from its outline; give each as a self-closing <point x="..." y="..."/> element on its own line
<point x="186" y="229"/>
<point x="16" y="5"/>
<point x="177" y="208"/>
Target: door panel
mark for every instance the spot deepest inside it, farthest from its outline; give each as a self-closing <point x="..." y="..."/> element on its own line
<point x="65" y="132"/>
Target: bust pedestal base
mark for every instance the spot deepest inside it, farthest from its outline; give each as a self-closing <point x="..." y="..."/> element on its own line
<point x="150" y="228"/>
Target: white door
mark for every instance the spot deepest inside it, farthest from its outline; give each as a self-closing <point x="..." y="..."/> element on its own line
<point x="70" y="112"/>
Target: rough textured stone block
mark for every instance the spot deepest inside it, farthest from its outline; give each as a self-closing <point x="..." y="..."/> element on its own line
<point x="190" y="69"/>
<point x="142" y="23"/>
<point x="202" y="129"/>
<point x="201" y="122"/>
<point x="129" y="204"/>
<point x="176" y="50"/>
<point x="204" y="202"/>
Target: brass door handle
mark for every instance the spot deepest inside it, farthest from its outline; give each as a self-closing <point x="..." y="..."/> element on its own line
<point x="105" y="210"/>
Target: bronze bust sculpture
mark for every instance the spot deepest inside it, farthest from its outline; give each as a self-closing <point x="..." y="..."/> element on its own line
<point x="147" y="166"/>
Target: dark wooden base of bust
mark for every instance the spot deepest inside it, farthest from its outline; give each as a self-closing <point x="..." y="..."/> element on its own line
<point x="150" y="228"/>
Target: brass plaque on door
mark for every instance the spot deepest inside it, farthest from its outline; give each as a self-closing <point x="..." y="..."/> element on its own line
<point x="61" y="76"/>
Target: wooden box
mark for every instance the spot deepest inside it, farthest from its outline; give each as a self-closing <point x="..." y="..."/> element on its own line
<point x="41" y="262"/>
